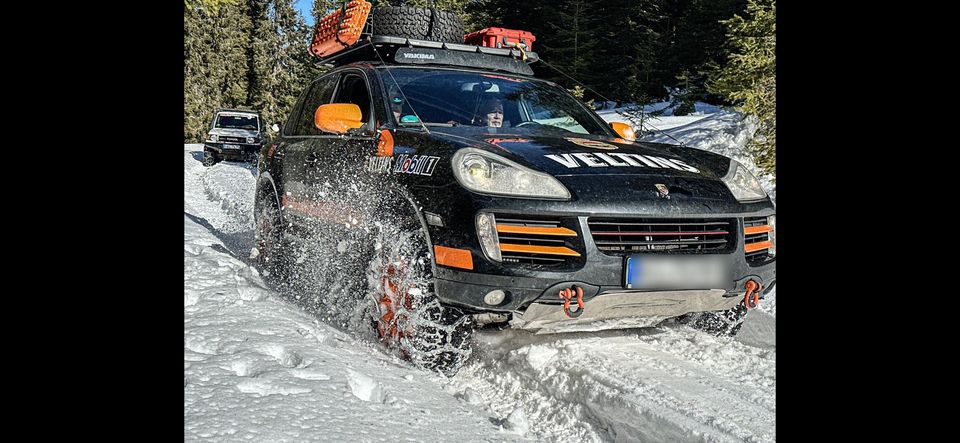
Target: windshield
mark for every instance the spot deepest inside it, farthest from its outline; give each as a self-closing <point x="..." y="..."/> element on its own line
<point x="238" y="122"/>
<point x="463" y="102"/>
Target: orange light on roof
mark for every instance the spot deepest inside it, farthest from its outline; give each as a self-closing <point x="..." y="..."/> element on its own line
<point x="337" y="117"/>
<point x="455" y="258"/>
<point x="385" y="144"/>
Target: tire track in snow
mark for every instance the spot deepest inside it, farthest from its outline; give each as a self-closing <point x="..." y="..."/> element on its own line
<point x="618" y="385"/>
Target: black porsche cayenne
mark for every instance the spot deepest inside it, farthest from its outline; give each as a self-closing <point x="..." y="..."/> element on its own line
<point x="465" y="196"/>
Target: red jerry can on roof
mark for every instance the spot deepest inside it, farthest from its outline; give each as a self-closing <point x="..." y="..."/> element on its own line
<point x="500" y="38"/>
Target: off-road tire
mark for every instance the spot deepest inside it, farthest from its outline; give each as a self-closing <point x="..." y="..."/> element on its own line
<point x="417" y="23"/>
<point x="432" y="336"/>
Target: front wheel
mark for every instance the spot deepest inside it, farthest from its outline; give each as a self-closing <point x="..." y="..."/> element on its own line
<point x="408" y="316"/>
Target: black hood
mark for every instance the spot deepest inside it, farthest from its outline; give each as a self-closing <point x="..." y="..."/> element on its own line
<point x="578" y="155"/>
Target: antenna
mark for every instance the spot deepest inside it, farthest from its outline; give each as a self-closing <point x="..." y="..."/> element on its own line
<point x="397" y="84"/>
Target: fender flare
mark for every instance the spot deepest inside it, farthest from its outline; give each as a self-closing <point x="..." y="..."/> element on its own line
<point x="411" y="200"/>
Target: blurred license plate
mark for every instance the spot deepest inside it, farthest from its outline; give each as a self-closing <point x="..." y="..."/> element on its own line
<point x="231" y="147"/>
<point x="682" y="272"/>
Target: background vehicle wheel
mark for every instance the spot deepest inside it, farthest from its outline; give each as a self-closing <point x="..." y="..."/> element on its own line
<point x="209" y="158"/>
<point x="719" y="323"/>
<point x="417" y="23"/>
<point x="408" y="316"/>
<point x="269" y="253"/>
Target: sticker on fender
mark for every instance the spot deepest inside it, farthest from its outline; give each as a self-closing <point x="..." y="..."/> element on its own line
<point x="415" y="164"/>
<point x="379" y="164"/>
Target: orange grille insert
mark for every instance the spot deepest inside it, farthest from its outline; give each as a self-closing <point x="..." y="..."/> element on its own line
<point x="511" y="229"/>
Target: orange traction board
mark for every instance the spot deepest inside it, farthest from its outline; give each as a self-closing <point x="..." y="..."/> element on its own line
<point x="340" y="28"/>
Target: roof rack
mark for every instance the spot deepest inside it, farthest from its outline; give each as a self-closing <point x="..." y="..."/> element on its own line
<point x="402" y="50"/>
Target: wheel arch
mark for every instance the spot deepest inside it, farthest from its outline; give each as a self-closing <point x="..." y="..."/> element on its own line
<point x="266" y="188"/>
<point x="410" y="200"/>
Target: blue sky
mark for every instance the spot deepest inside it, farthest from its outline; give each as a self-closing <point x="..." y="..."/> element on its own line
<point x="304" y="6"/>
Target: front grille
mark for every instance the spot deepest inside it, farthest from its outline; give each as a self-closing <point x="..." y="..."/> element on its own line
<point x="620" y="236"/>
<point x="233" y="139"/>
<point x="756" y="240"/>
<point x="535" y="241"/>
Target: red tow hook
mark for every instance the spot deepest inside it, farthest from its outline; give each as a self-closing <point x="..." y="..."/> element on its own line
<point x="567" y="295"/>
<point x="752" y="298"/>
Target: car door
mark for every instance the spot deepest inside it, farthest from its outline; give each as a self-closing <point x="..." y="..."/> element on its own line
<point x="339" y="169"/>
<point x="297" y="152"/>
<point x="324" y="182"/>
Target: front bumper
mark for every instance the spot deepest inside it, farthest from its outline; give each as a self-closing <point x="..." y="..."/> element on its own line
<point x="533" y="292"/>
<point x="234" y="151"/>
<point x="600" y="275"/>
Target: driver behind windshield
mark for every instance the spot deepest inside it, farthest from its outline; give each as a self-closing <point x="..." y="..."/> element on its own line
<point x="491" y="113"/>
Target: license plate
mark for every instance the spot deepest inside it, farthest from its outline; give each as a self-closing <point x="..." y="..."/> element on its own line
<point x="231" y="147"/>
<point x="681" y="272"/>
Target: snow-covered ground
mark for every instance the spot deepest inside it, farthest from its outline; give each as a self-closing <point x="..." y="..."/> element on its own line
<point x="258" y="368"/>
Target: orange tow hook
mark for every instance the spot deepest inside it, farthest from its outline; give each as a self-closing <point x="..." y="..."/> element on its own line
<point x="567" y="295"/>
<point x="752" y="298"/>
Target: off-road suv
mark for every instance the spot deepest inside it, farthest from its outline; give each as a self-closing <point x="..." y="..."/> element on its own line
<point x="234" y="135"/>
<point x="451" y="189"/>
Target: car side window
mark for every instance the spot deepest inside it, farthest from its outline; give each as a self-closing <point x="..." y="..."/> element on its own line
<point x="353" y="89"/>
<point x="320" y="94"/>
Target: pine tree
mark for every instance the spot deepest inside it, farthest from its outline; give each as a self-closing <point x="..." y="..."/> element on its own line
<point x="215" y="68"/>
<point x="323" y="7"/>
<point x="196" y="51"/>
<point x="695" y="46"/>
<point x="292" y="67"/>
<point x="625" y="62"/>
<point x="209" y="6"/>
<point x="263" y="43"/>
<point x="750" y="77"/>
<point x="570" y="24"/>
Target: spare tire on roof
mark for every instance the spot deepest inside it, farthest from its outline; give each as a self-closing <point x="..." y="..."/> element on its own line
<point x="417" y="23"/>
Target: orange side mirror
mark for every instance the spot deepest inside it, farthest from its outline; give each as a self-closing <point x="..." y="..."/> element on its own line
<point x="625" y="130"/>
<point x="337" y="117"/>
